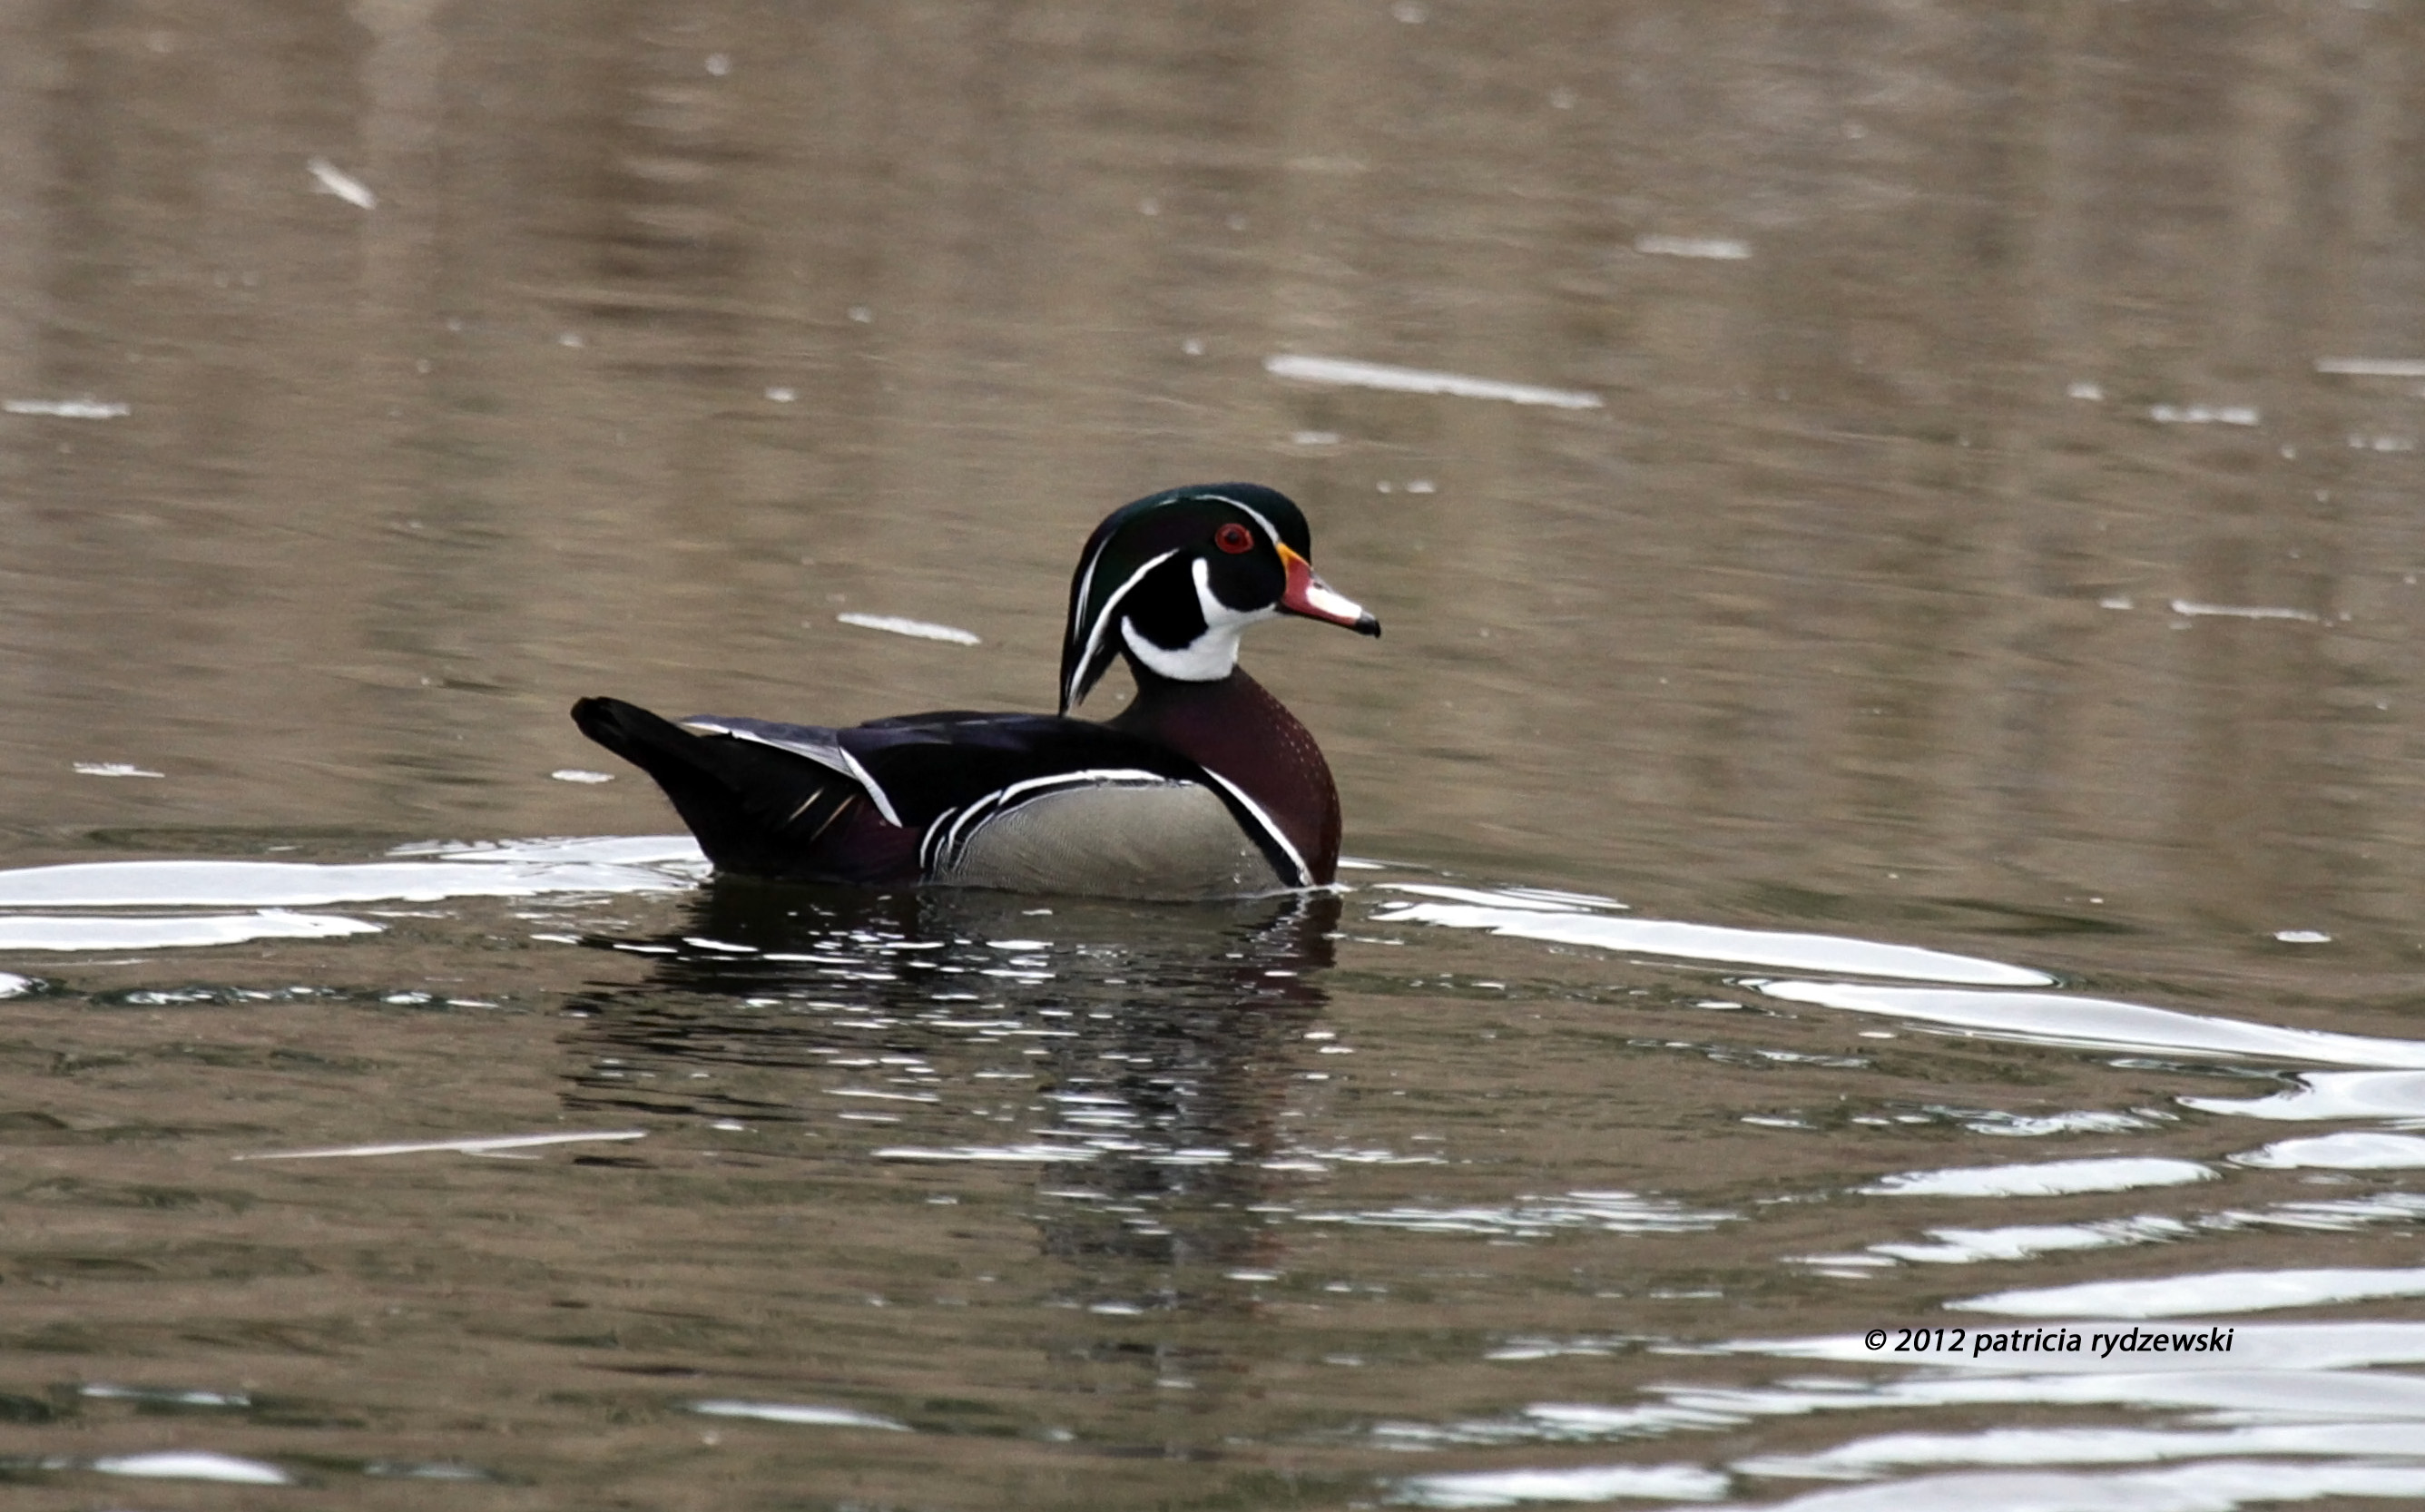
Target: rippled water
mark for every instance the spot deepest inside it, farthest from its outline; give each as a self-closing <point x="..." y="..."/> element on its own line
<point x="543" y="1165"/>
<point x="1884" y="973"/>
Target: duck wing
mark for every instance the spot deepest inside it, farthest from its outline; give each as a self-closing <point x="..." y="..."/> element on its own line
<point x="1045" y="803"/>
<point x="777" y="801"/>
<point x="955" y="795"/>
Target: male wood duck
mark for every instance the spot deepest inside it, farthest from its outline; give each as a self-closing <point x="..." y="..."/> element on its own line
<point x="1204" y="786"/>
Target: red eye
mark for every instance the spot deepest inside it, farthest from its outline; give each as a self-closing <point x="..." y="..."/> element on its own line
<point x="1234" y="538"/>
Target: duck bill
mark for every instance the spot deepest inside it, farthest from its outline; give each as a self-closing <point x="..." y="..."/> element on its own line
<point x="1307" y="594"/>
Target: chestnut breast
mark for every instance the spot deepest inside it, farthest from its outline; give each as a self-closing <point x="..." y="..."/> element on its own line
<point x="1236" y="728"/>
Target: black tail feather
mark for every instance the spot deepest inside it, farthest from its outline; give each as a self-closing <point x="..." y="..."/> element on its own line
<point x="755" y="810"/>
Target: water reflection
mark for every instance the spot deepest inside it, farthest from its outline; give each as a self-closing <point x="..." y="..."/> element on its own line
<point x="2099" y="1023"/>
<point x="1998" y="536"/>
<point x="1150" y="1116"/>
<point x="117" y="903"/>
<point x="2320" y="1096"/>
<point x="1575" y="919"/>
<point x="2314" y="1393"/>
<point x="2057" y="1178"/>
<point x="2352" y="1151"/>
<point x="1144" y="1057"/>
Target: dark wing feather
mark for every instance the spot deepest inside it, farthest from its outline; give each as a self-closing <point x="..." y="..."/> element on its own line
<point x="932" y="763"/>
<point x="756" y="809"/>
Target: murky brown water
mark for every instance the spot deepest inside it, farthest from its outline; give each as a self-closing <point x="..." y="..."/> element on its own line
<point x="1980" y="609"/>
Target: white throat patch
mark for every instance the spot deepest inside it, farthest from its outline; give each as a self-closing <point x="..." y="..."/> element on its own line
<point x="1210" y="657"/>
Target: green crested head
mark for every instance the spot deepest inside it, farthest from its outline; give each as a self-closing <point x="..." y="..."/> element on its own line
<point x="1172" y="579"/>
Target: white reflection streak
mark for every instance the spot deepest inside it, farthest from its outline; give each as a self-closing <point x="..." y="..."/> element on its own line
<point x="170" y="1396"/>
<point x="995" y="1155"/>
<point x="2196" y="1296"/>
<point x="616" y="850"/>
<point x="87" y="408"/>
<point x="2189" y="608"/>
<point x="327" y="178"/>
<point x="194" y="1465"/>
<point x="1717" y="248"/>
<point x="1542" y="899"/>
<point x="915" y="629"/>
<point x="2085" y="1446"/>
<point x="477" y="1145"/>
<point x="285" y="884"/>
<point x="504" y="869"/>
<point x="1568" y="925"/>
<point x="2100" y="1024"/>
<point x="1579" y="1483"/>
<point x="1608" y="1212"/>
<point x="2212" y="1488"/>
<point x="1423" y="380"/>
<point x="2326" y="1095"/>
<point x="2353" y="1150"/>
<point x="49" y="931"/>
<point x="799" y="1414"/>
<point x="2054" y="1178"/>
<point x="115" y="769"/>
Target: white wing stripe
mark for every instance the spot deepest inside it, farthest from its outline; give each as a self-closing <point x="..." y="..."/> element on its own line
<point x="834" y="758"/>
<point x="874" y="793"/>
<point x="948" y="847"/>
<point x="829" y="756"/>
<point x="934" y="832"/>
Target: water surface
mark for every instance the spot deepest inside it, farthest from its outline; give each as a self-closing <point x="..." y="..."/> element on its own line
<point x="1891" y="797"/>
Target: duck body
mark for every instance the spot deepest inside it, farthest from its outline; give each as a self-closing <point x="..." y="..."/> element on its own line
<point x="1205" y="786"/>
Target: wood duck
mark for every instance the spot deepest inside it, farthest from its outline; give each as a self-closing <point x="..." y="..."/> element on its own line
<point x="1205" y="786"/>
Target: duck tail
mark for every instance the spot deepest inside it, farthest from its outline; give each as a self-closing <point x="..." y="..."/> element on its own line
<point x="756" y="809"/>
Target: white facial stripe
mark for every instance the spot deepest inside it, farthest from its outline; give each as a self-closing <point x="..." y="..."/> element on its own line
<point x="1210" y="657"/>
<point x="1217" y="614"/>
<point x="1103" y="618"/>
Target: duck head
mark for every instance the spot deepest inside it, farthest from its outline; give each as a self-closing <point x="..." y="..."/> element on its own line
<point x="1172" y="579"/>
